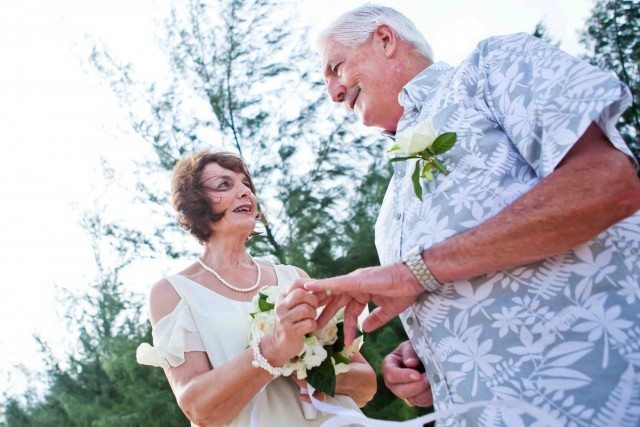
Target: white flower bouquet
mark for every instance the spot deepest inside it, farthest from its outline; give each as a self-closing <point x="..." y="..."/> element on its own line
<point x="323" y="355"/>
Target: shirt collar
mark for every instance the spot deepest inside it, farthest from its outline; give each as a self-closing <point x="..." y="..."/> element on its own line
<point x="388" y="134"/>
<point x="411" y="98"/>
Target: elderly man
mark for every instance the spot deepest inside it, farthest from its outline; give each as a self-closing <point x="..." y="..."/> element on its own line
<point x="517" y="275"/>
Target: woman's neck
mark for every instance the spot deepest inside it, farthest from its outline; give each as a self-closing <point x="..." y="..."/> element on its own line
<point x="221" y="251"/>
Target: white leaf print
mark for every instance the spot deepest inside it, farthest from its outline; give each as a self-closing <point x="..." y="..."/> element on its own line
<point x="562" y="379"/>
<point x="567" y="353"/>
<point x="623" y="405"/>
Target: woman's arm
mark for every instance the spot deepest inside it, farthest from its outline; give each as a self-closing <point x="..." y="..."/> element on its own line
<point x="210" y="396"/>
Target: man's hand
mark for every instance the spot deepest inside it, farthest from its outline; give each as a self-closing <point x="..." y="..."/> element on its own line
<point x="392" y="288"/>
<point x="402" y="373"/>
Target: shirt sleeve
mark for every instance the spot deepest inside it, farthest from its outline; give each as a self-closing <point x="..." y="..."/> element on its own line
<point x="544" y="99"/>
<point x="173" y="336"/>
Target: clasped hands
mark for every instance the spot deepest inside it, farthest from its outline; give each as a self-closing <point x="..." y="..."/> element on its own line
<point x="393" y="288"/>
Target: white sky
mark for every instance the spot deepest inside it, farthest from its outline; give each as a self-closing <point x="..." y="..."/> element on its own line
<point x="57" y="121"/>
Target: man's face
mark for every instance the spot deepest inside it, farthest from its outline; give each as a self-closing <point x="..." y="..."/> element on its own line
<point x="362" y="79"/>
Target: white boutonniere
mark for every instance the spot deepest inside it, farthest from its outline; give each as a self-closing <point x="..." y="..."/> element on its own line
<point x="420" y="142"/>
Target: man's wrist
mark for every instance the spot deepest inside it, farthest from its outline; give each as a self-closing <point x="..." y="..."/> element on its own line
<point x="407" y="276"/>
<point x="423" y="276"/>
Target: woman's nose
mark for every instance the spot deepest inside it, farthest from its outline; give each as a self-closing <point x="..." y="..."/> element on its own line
<point x="244" y="191"/>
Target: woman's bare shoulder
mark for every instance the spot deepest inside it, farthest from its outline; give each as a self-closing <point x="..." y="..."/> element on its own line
<point x="163" y="299"/>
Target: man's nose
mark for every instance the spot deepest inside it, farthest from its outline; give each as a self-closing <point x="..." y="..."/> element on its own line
<point x="337" y="91"/>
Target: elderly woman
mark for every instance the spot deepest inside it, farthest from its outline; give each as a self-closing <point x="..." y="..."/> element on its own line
<point x="200" y="316"/>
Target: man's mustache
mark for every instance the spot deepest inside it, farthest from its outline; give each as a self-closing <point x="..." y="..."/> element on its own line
<point x="350" y="97"/>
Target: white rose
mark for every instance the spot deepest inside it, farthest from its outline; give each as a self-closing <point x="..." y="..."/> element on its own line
<point x="329" y="334"/>
<point x="297" y="367"/>
<point x="313" y="352"/>
<point x="261" y="324"/>
<point x="349" y="350"/>
<point x="416" y="138"/>
<point x="340" y="368"/>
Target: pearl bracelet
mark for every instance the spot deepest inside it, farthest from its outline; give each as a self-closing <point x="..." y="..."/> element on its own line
<point x="259" y="361"/>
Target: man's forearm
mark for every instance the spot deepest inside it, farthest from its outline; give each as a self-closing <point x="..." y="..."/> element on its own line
<point x="592" y="189"/>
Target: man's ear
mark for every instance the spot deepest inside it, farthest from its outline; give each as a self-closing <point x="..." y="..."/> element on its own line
<point x="385" y="39"/>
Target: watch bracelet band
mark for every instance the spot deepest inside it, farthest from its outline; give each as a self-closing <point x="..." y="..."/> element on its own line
<point x="416" y="264"/>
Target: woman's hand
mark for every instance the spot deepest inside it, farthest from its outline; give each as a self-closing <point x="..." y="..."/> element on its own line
<point x="295" y="317"/>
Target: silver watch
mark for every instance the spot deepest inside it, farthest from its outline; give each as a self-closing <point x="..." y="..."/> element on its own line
<point x="413" y="260"/>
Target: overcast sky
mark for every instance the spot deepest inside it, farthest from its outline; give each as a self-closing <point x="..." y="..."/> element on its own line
<point x="57" y="121"/>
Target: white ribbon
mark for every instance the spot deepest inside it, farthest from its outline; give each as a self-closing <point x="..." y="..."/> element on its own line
<point x="346" y="416"/>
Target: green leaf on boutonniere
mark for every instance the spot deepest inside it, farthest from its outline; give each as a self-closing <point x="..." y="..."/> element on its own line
<point x="443" y="143"/>
<point x="399" y="159"/>
<point x="394" y="149"/>
<point x="323" y="377"/>
<point x="426" y="171"/>
<point x="415" y="177"/>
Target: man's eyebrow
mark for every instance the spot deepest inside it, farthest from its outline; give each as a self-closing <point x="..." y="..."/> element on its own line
<point x="328" y="68"/>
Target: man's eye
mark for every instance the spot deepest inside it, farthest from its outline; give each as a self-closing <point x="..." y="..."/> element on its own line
<point x="336" y="67"/>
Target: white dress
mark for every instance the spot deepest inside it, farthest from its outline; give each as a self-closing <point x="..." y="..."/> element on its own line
<point x="206" y="321"/>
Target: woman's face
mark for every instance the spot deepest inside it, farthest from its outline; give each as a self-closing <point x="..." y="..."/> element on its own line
<point x="229" y="192"/>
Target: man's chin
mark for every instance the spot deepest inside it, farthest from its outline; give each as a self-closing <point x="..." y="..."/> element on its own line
<point x="369" y="121"/>
<point x="365" y="118"/>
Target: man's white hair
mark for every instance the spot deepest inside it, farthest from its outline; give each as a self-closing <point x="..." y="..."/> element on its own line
<point x="354" y="28"/>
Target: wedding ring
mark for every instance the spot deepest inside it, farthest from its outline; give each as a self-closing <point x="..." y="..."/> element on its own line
<point x="406" y="402"/>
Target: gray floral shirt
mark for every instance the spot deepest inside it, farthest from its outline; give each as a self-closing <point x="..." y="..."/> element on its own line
<point x="562" y="334"/>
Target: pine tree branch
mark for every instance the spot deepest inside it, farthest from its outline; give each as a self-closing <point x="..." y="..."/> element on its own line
<point x="625" y="75"/>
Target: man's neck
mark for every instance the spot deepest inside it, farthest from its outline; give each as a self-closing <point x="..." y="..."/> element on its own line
<point x="409" y="67"/>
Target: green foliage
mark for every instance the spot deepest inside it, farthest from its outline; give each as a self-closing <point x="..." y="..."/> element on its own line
<point x="612" y="38"/>
<point x="99" y="383"/>
<point x="541" y="32"/>
<point x="323" y="377"/>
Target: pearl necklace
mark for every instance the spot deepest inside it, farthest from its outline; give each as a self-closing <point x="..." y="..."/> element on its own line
<point x="229" y="285"/>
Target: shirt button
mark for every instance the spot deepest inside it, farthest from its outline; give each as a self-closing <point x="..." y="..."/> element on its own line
<point x="401" y="174"/>
<point x="436" y="378"/>
<point x="398" y="216"/>
<point x="409" y="321"/>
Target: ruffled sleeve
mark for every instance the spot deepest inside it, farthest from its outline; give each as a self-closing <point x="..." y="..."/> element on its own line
<point x="174" y="335"/>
